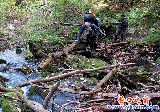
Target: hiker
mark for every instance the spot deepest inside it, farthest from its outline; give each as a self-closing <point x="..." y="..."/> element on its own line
<point x="90" y="17"/>
<point x="122" y="26"/>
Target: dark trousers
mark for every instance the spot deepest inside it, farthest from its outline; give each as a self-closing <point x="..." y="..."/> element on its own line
<point x="119" y="32"/>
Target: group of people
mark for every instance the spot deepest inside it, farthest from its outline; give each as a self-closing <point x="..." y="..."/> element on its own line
<point x="90" y="17"/>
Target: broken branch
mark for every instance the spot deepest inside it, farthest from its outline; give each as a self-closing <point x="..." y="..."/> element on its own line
<point x="31" y="104"/>
<point x="50" y="94"/>
<point x="69" y="74"/>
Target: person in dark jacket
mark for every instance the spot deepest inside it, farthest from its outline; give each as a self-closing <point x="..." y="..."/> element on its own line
<point x="89" y="17"/>
<point x="122" y="26"/>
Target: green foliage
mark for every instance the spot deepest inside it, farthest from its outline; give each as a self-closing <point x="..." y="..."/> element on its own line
<point x="9" y="105"/>
<point x="158" y="60"/>
<point x="35" y="90"/>
<point x="42" y="36"/>
<point x="151" y="38"/>
<point x="80" y="63"/>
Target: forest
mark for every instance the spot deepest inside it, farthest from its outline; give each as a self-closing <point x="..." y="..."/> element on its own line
<point x="45" y="68"/>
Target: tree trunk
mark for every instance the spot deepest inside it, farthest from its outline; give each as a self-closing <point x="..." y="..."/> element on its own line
<point x="50" y="94"/>
<point x="103" y="81"/>
<point x="31" y="104"/>
<point x="69" y="74"/>
<point x="58" y="54"/>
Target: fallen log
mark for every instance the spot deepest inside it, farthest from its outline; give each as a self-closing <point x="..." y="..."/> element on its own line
<point x="129" y="83"/>
<point x="37" y="107"/>
<point x="103" y="81"/>
<point x="48" y="79"/>
<point x="73" y="91"/>
<point x="58" y="54"/>
<point x="150" y="95"/>
<point x="50" y="94"/>
<point x="109" y="95"/>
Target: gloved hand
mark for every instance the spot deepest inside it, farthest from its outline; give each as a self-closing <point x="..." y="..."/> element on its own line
<point x="104" y="34"/>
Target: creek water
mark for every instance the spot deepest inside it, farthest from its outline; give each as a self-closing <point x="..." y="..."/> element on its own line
<point x="15" y="77"/>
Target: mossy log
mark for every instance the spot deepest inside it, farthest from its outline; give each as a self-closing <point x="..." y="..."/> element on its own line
<point x="103" y="81"/>
<point x="31" y="104"/>
<point x="58" y="54"/>
<point x="50" y="94"/>
<point x="69" y="74"/>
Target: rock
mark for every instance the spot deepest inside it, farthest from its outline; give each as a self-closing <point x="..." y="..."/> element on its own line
<point x="2" y="61"/>
<point x="2" y="66"/>
<point x="18" y="50"/>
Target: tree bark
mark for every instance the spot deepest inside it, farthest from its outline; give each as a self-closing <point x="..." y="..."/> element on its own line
<point x="103" y="81"/>
<point x="58" y="54"/>
<point x="50" y="94"/>
<point x="73" y="91"/>
<point x="31" y="104"/>
<point x="129" y="83"/>
<point x="69" y="74"/>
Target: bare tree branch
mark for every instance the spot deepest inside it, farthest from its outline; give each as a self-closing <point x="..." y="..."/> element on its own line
<point x="31" y="104"/>
<point x="48" y="79"/>
<point x="50" y="94"/>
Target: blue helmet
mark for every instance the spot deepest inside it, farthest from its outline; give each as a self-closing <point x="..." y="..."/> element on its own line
<point x="98" y="20"/>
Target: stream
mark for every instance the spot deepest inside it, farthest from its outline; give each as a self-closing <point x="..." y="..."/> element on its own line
<point x="15" y="77"/>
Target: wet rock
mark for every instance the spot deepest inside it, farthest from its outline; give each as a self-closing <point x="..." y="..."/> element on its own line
<point x="18" y="50"/>
<point x="2" y="61"/>
<point x="2" y="67"/>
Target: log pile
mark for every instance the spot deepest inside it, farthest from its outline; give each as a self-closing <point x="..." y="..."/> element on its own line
<point x="117" y="82"/>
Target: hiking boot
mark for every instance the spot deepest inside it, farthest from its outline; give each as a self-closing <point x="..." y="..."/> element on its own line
<point x="121" y="40"/>
<point x="114" y="40"/>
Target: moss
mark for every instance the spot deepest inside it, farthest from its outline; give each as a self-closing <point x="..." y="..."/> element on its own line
<point x="139" y="78"/>
<point x="51" y="68"/>
<point x="27" y="69"/>
<point x="9" y="105"/>
<point x="81" y="62"/>
<point x="27" y="55"/>
<point x="158" y="60"/>
<point x="6" y="105"/>
<point x="35" y="90"/>
<point x="18" y="89"/>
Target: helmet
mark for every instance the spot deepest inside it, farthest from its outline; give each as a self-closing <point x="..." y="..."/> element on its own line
<point x="98" y="20"/>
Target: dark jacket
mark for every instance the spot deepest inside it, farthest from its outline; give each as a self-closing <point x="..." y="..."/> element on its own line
<point x="122" y="24"/>
<point x="90" y="18"/>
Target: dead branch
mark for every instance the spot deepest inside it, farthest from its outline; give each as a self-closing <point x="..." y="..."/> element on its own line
<point x="116" y="44"/>
<point x="103" y="81"/>
<point x="2" y="39"/>
<point x="150" y="95"/>
<point x="109" y="95"/>
<point x="58" y="54"/>
<point x="50" y="94"/>
<point x="73" y="91"/>
<point x="31" y="104"/>
<point x="99" y="100"/>
<point x="69" y="74"/>
<point x="5" y="95"/>
<point x="129" y="83"/>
